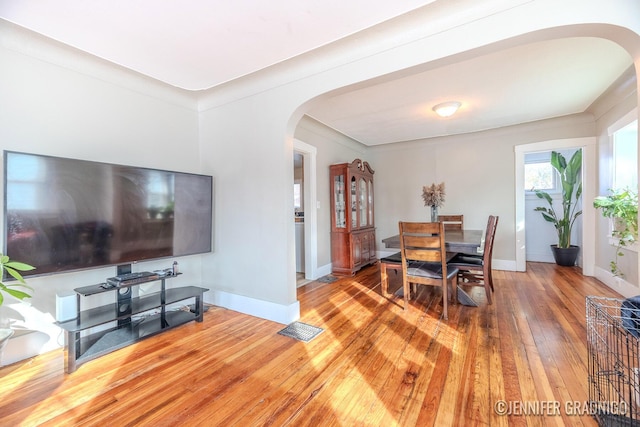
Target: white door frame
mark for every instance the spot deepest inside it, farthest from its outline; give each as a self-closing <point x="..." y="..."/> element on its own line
<point x="309" y="154"/>
<point x="588" y="145"/>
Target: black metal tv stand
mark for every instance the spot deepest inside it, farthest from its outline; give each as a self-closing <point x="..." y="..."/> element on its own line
<point x="119" y="326"/>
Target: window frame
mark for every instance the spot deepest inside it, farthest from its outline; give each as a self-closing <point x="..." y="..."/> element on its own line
<point x="615" y="140"/>
<point x="542" y="157"/>
<point x="617" y="126"/>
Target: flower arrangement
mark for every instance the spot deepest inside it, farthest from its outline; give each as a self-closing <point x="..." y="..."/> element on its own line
<point x="433" y="195"/>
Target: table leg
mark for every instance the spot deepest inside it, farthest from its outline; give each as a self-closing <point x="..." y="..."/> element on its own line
<point x="384" y="279"/>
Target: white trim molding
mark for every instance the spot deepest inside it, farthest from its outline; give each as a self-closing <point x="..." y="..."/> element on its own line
<point x="589" y="155"/>
<point x="279" y="313"/>
<point x="309" y="154"/>
<point x="616" y="283"/>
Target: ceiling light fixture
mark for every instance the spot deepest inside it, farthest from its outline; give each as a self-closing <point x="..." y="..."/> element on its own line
<point x="447" y="109"/>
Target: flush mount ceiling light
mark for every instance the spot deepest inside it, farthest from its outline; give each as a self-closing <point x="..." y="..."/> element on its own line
<point x="447" y="109"/>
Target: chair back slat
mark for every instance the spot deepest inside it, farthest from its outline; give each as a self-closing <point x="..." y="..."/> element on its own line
<point x="420" y="227"/>
<point x="452" y="222"/>
<point x="422" y="241"/>
<point x="423" y="255"/>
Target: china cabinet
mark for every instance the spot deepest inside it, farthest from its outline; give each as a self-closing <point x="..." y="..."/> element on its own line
<point x="353" y="243"/>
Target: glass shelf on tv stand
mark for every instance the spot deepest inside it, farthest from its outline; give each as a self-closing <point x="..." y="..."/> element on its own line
<point x="119" y="322"/>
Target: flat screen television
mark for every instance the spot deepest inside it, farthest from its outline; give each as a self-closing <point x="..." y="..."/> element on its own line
<point x="65" y="214"/>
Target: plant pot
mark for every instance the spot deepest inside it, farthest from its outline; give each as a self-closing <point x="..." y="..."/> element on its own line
<point x="565" y="257"/>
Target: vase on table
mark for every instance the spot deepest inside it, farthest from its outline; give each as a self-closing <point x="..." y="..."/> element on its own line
<point x="434" y="213"/>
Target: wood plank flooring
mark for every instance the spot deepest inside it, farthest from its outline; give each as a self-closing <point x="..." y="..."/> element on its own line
<point x="374" y="365"/>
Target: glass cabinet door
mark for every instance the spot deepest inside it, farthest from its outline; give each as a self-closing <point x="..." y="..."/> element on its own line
<point x="363" y="202"/>
<point x="370" y="204"/>
<point x="339" y="200"/>
<point x="354" y="204"/>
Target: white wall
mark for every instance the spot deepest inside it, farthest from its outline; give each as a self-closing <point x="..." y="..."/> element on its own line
<point x="478" y="171"/>
<point x="56" y="101"/>
<point x="609" y="110"/>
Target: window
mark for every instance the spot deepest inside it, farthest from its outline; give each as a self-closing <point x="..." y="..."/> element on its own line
<point x="539" y="176"/>
<point x="538" y="172"/>
<point x="625" y="157"/>
<point x="624" y="164"/>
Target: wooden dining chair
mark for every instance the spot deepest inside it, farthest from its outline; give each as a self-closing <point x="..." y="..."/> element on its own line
<point x="393" y="263"/>
<point x="452" y="222"/>
<point x="476" y="269"/>
<point x="424" y="260"/>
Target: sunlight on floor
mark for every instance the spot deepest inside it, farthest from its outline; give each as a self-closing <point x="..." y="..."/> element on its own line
<point x="55" y="404"/>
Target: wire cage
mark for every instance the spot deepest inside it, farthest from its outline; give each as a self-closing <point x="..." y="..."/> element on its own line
<point x="613" y="344"/>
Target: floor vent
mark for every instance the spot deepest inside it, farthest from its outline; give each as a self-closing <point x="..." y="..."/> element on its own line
<point x="301" y="331"/>
<point x="327" y="279"/>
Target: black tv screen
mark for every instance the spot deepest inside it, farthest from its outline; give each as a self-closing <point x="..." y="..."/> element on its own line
<point x="66" y="214"/>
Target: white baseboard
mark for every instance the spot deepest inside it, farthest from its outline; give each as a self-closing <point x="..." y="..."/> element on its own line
<point x="24" y="344"/>
<point x="323" y="271"/>
<point x="503" y="264"/>
<point x="546" y="256"/>
<point x="618" y="284"/>
<point x="254" y="307"/>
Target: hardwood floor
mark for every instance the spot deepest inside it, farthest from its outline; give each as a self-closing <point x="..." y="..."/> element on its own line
<point x="374" y="365"/>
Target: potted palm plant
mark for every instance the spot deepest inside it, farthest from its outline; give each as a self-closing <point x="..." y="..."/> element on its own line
<point x="564" y="252"/>
<point x="16" y="290"/>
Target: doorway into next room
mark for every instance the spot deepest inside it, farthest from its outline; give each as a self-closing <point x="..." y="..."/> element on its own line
<point x="298" y="214"/>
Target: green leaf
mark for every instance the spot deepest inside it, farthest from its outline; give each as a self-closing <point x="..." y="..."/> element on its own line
<point x="17" y="293"/>
<point x="544" y="195"/>
<point x="14" y="273"/>
<point x="21" y="266"/>
<point x="558" y="161"/>
<point x="548" y="217"/>
<point x="12" y="268"/>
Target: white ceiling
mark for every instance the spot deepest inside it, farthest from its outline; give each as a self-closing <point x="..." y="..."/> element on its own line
<point x="200" y="44"/>
<point x="518" y="85"/>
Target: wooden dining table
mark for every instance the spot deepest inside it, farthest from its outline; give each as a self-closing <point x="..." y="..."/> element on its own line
<point x="456" y="241"/>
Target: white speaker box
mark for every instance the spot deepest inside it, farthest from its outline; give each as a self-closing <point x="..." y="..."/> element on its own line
<point x="66" y="306"/>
